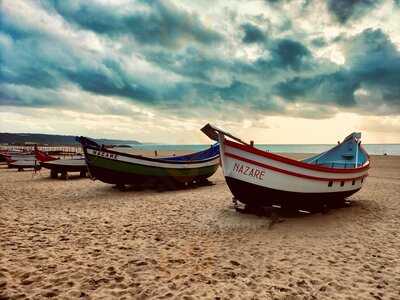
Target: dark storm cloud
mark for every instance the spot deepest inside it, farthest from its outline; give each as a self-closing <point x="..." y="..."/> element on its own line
<point x="191" y="63"/>
<point x="275" y="2"/>
<point x="50" y="63"/>
<point x="290" y="53"/>
<point x="252" y="34"/>
<point x="111" y="80"/>
<point x="375" y="61"/>
<point x="14" y="97"/>
<point x="344" y="10"/>
<point x="282" y="55"/>
<point x="36" y="63"/>
<point x="335" y="88"/>
<point x="163" y="24"/>
<point x="31" y="68"/>
<point x="319" y="42"/>
<point x="372" y="63"/>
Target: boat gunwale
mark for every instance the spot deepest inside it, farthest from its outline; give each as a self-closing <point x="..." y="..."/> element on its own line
<point x="294" y="162"/>
<point x="291" y="173"/>
<point x="134" y="165"/>
<point x="56" y="163"/>
<point x="139" y="157"/>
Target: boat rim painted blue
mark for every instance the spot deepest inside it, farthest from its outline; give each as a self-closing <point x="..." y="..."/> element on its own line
<point x="89" y="144"/>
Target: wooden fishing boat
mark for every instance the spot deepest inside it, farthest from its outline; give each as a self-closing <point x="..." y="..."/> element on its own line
<point x="20" y="161"/>
<point x="64" y="166"/>
<point x="20" y="165"/>
<point x="13" y="157"/>
<point x="120" y="168"/>
<point x="260" y="178"/>
<point x="61" y="166"/>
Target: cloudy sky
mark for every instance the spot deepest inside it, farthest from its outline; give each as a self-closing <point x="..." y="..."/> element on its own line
<point x="277" y="71"/>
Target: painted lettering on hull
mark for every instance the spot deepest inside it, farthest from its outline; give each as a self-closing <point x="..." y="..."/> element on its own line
<point x="105" y="154"/>
<point x="248" y="171"/>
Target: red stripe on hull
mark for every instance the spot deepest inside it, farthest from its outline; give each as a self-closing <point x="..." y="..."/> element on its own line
<point x="290" y="172"/>
<point x="293" y="161"/>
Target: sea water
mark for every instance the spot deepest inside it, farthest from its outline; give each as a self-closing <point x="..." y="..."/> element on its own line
<point x="373" y="149"/>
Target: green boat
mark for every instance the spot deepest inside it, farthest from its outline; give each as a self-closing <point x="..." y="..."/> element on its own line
<point x="115" y="167"/>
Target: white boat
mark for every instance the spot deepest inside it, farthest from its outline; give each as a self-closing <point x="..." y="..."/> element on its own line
<point x="260" y="178"/>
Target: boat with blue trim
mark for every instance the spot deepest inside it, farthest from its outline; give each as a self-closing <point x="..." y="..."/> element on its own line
<point x="260" y="178"/>
<point x="115" y="167"/>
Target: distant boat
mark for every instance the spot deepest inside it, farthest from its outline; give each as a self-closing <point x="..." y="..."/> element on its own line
<point x="19" y="160"/>
<point x="13" y="157"/>
<point x="20" y="165"/>
<point x="61" y="166"/>
<point x="259" y="178"/>
<point x="121" y="168"/>
<point x="43" y="156"/>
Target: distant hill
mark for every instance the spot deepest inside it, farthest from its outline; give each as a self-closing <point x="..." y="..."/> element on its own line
<point x="38" y="138"/>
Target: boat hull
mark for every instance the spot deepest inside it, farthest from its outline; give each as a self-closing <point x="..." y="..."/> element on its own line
<point x="65" y="165"/>
<point x="24" y="164"/>
<point x="113" y="170"/>
<point x="255" y="195"/>
<point x="258" y="178"/>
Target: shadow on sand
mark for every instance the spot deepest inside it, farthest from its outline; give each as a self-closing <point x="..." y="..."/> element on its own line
<point x="163" y="186"/>
<point x="349" y="210"/>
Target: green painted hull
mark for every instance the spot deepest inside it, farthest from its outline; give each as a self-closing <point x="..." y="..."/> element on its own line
<point x="119" y="172"/>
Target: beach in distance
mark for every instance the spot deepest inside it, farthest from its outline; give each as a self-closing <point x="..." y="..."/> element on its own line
<point x="69" y="239"/>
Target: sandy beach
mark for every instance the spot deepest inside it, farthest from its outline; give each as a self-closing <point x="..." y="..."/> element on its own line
<point x="83" y="239"/>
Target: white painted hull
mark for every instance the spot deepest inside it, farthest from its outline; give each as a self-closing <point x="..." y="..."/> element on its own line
<point x="270" y="175"/>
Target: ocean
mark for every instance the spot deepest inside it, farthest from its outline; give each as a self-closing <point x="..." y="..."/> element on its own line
<point x="373" y="149"/>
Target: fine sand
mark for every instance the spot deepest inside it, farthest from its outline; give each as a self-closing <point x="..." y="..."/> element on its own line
<point x="83" y="239"/>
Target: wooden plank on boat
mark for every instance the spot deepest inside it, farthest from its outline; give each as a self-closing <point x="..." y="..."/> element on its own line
<point x="212" y="132"/>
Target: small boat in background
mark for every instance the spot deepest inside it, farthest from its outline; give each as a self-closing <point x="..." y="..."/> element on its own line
<point x="43" y="156"/>
<point x="20" y="160"/>
<point x="61" y="166"/>
<point x="259" y="178"/>
<point x="121" y="168"/>
<point x="13" y="157"/>
<point x="20" y="165"/>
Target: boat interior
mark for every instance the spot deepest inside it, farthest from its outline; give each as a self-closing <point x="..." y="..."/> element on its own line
<point x="347" y="154"/>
